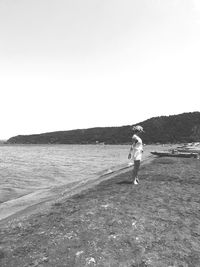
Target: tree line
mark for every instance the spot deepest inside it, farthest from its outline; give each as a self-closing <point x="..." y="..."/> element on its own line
<point x="181" y="128"/>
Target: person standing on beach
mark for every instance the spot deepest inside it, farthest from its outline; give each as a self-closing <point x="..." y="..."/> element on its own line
<point x="136" y="151"/>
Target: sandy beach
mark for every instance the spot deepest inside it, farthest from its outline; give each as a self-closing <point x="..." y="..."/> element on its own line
<point x="113" y="223"/>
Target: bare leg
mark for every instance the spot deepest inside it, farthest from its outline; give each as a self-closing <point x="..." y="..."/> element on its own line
<point x="135" y="169"/>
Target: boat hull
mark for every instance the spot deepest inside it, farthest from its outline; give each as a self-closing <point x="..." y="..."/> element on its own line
<point x="178" y="155"/>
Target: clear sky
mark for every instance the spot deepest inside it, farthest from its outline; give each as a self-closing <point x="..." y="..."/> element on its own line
<point x="68" y="64"/>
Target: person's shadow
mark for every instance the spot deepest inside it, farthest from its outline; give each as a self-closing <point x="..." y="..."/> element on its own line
<point x="125" y="182"/>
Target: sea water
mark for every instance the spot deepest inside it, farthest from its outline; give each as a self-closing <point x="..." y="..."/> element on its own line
<point x="25" y="169"/>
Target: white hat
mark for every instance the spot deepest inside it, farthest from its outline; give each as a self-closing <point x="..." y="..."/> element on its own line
<point x="138" y="128"/>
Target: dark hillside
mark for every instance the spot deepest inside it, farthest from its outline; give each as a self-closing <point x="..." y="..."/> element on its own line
<point x="177" y="128"/>
<point x="165" y="129"/>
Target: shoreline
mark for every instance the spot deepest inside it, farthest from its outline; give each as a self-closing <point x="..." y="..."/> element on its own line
<point x="26" y="203"/>
<point x="29" y="204"/>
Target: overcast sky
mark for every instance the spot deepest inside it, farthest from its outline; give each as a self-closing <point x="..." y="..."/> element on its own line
<point x="68" y="64"/>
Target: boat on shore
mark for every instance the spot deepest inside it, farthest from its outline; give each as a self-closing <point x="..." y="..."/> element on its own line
<point x="175" y="154"/>
<point x="189" y="148"/>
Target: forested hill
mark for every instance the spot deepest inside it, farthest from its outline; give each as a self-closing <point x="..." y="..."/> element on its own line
<point x="165" y="129"/>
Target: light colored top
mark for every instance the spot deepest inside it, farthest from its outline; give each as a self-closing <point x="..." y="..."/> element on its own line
<point x="137" y="143"/>
<point x="136" y="148"/>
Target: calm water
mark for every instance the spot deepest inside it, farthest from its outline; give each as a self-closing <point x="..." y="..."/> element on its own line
<point x="27" y="168"/>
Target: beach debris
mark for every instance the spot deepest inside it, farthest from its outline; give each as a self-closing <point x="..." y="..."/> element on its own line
<point x="19" y="225"/>
<point x="113" y="236"/>
<point x="134" y="224"/>
<point x="105" y="206"/>
<point x="78" y="253"/>
<point x="42" y="233"/>
<point x="90" y="213"/>
<point x="90" y="260"/>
